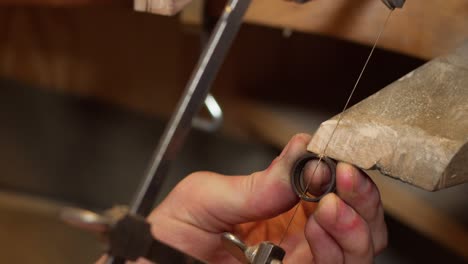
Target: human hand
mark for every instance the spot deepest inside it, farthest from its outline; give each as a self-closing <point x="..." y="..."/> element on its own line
<point x="346" y="227"/>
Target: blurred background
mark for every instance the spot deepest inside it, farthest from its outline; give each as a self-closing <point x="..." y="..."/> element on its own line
<point x="86" y="88"/>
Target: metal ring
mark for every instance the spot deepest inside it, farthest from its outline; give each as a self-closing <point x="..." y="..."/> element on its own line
<point x="297" y="180"/>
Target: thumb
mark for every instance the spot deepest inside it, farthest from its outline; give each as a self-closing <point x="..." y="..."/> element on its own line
<point x="268" y="193"/>
<point x="215" y="202"/>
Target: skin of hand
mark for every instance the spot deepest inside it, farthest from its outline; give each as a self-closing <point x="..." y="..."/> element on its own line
<point x="344" y="227"/>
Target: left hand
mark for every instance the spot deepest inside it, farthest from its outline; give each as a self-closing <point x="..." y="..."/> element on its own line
<point x="346" y="227"/>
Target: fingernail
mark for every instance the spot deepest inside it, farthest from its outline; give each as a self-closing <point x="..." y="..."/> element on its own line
<point x="345" y="213"/>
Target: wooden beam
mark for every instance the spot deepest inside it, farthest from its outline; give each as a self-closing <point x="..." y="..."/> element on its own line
<point x="415" y="129"/>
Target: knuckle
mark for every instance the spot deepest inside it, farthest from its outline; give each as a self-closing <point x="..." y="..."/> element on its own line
<point x="301" y="137"/>
<point x="364" y="247"/>
<point x="192" y="178"/>
<point x="379" y="247"/>
<point x="381" y="243"/>
<point x="381" y="238"/>
<point x="191" y="181"/>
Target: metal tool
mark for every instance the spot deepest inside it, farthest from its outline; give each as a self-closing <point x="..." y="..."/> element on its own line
<point x="130" y="228"/>
<point x="126" y="230"/>
<point x="193" y="97"/>
<point x="392" y="4"/>
<point x="190" y="103"/>
<point x="263" y="253"/>
<point x="128" y="236"/>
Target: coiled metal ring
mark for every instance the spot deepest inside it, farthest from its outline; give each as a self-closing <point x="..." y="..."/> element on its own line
<point x="300" y="186"/>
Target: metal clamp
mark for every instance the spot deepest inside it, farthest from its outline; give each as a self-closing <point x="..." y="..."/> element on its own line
<point x="216" y="113"/>
<point x="263" y="253"/>
<point x="392" y="4"/>
<point x="128" y="236"/>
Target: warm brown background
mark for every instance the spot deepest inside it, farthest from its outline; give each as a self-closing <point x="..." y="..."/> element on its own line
<point x="141" y="62"/>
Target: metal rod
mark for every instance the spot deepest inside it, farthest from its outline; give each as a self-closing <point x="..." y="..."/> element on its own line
<point x="190" y="103"/>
